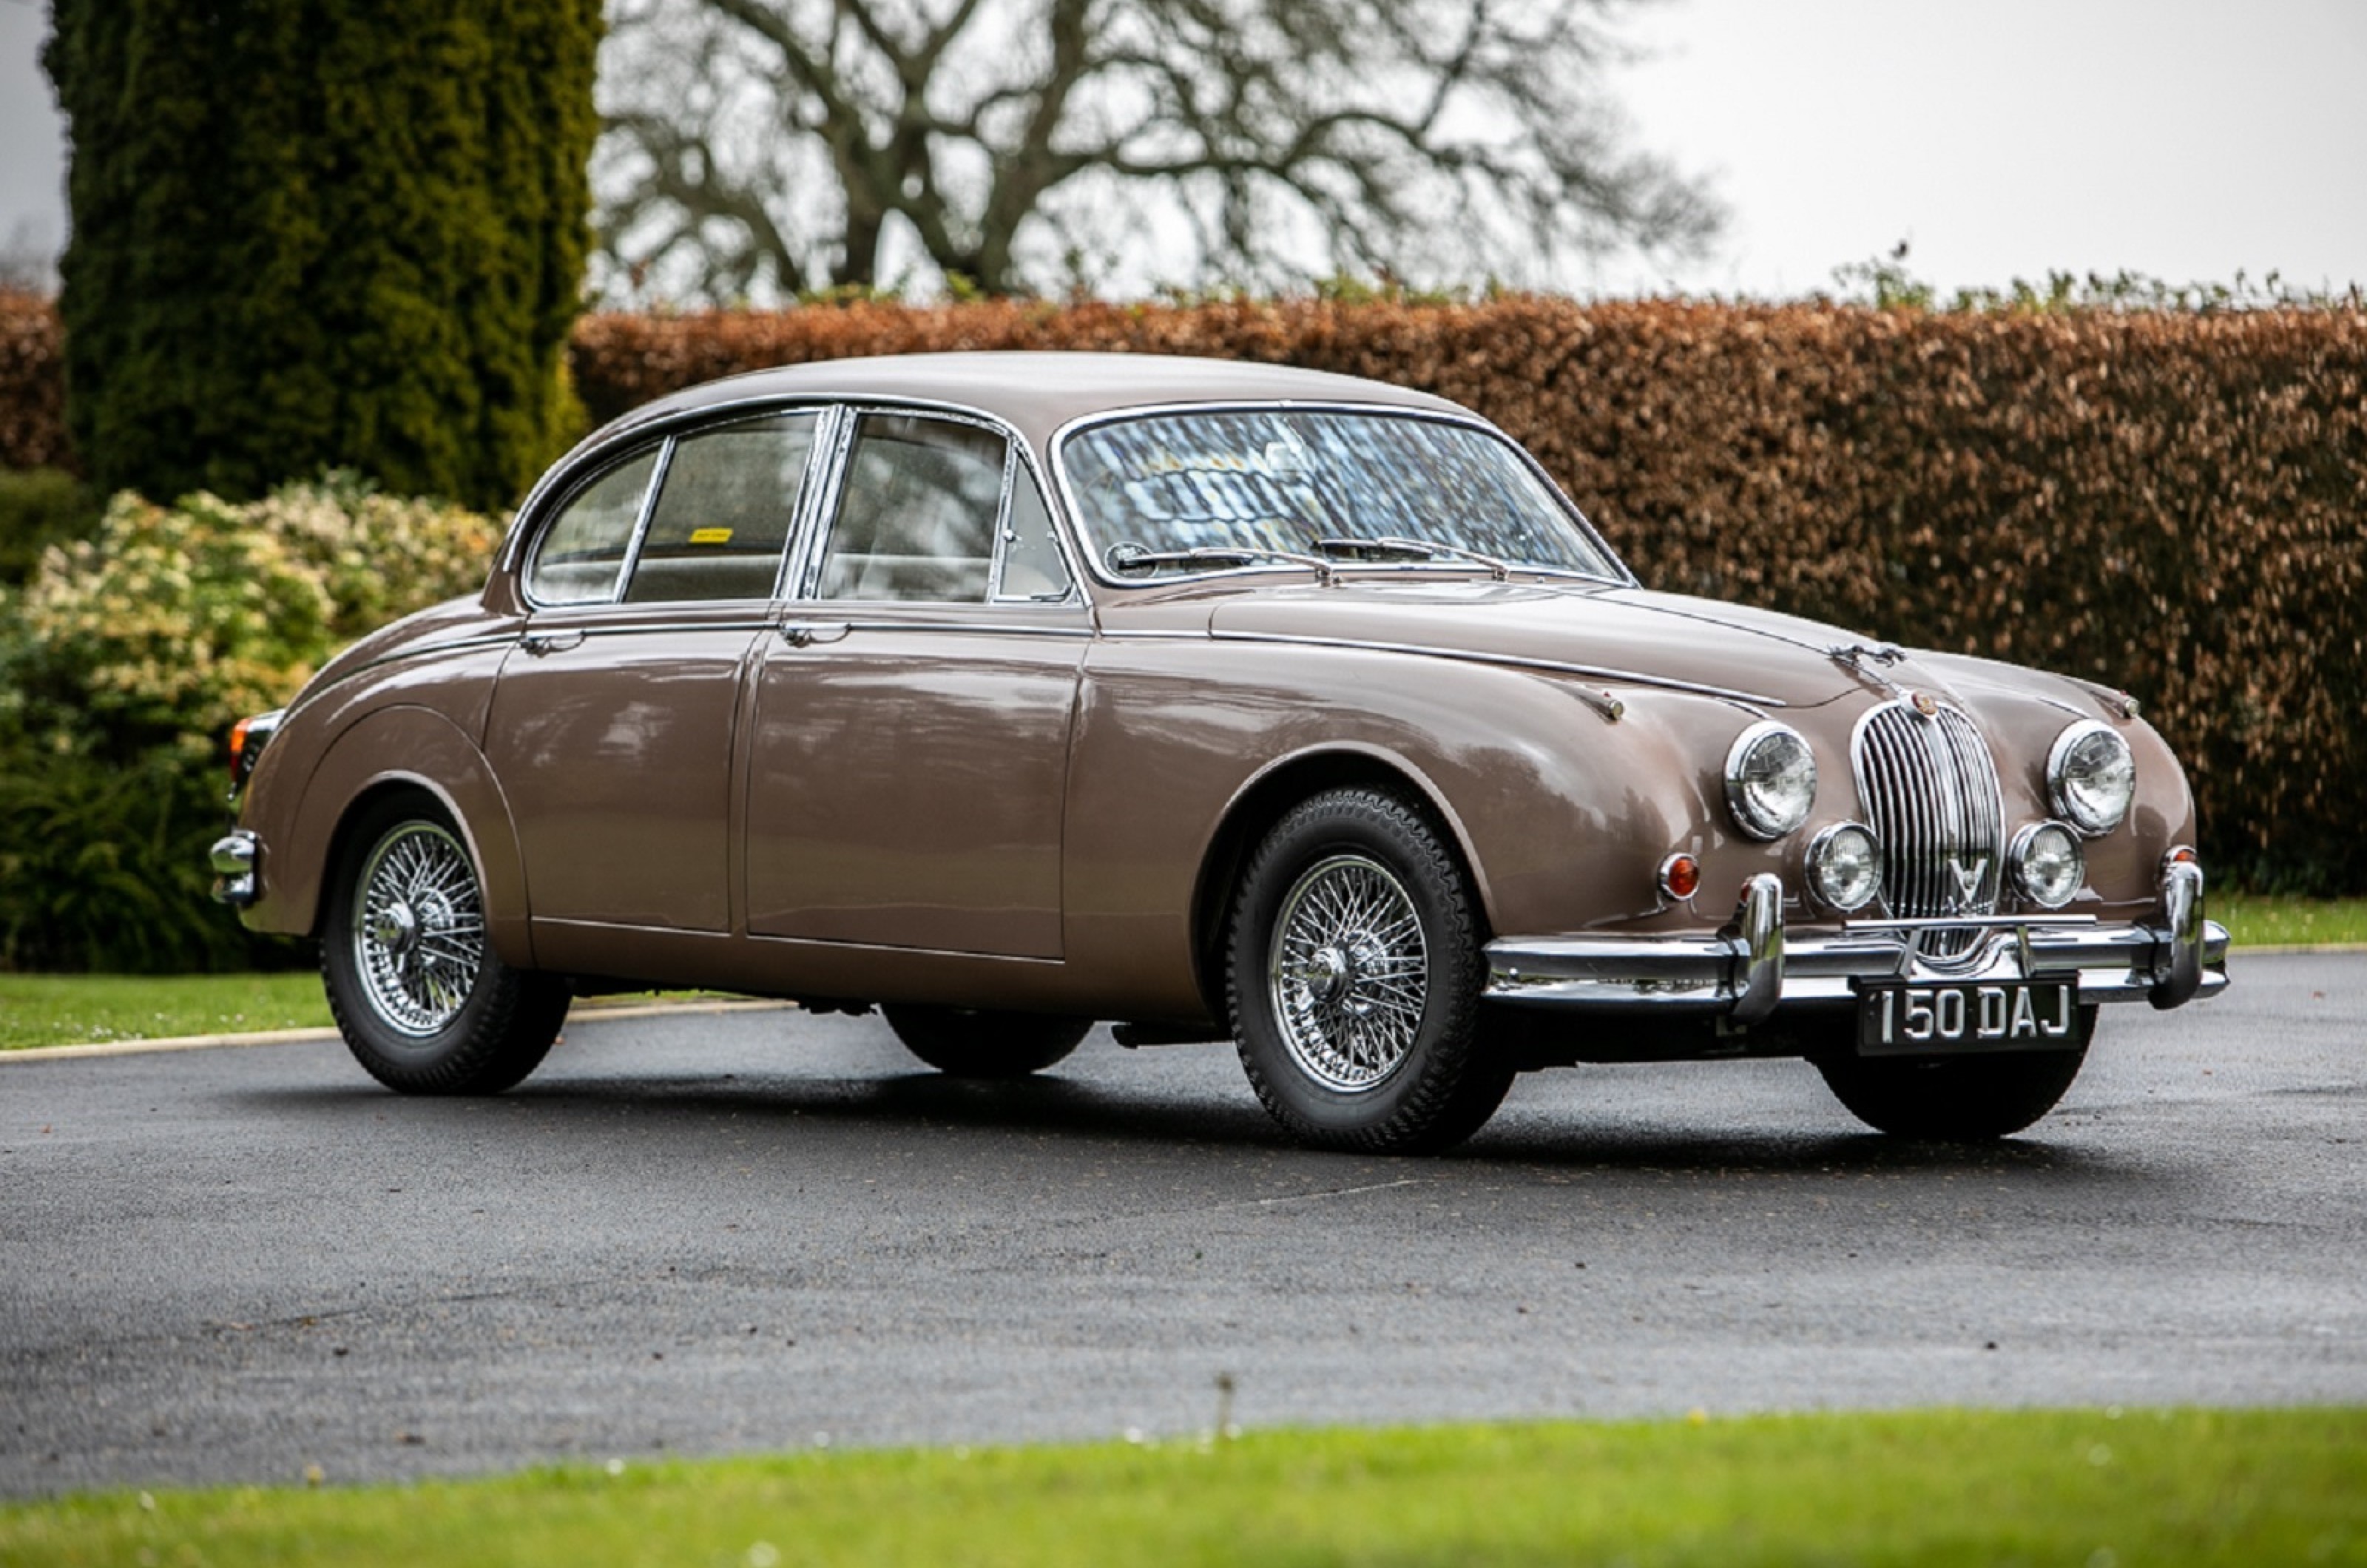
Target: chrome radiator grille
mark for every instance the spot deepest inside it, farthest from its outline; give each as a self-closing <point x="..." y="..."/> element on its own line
<point x="1931" y="795"/>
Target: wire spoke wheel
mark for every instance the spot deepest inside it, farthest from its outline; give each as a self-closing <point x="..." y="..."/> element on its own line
<point x="418" y="928"/>
<point x="1348" y="973"/>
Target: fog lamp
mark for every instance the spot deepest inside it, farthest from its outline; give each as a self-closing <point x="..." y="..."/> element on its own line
<point x="2048" y="864"/>
<point x="1845" y="866"/>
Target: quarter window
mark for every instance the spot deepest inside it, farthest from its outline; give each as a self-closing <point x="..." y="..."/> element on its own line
<point x="917" y="518"/>
<point x="1032" y="564"/>
<point x="724" y="513"/>
<point x="583" y="553"/>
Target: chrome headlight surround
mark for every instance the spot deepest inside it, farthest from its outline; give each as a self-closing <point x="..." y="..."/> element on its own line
<point x="2091" y="777"/>
<point x="2048" y="864"/>
<point x="1771" y="780"/>
<point x="1845" y="867"/>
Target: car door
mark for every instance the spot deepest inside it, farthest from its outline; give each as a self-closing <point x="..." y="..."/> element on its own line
<point x="909" y="752"/>
<point x="613" y="723"/>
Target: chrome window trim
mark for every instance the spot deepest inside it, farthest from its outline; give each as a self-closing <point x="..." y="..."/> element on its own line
<point x="1015" y="457"/>
<point x="641" y="523"/>
<point x="625" y="451"/>
<point x="592" y="475"/>
<point x="1004" y="537"/>
<point x="1620" y="577"/>
<point x="621" y="438"/>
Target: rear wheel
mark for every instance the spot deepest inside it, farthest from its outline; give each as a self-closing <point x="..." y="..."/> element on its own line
<point x="976" y="1043"/>
<point x="1956" y="1098"/>
<point x="423" y="1002"/>
<point x="1354" y="978"/>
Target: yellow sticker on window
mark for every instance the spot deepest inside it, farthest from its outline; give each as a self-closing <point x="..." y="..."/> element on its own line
<point x="710" y="535"/>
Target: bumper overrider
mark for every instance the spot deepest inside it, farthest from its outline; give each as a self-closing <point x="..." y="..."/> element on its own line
<point x="237" y="860"/>
<point x="1745" y="971"/>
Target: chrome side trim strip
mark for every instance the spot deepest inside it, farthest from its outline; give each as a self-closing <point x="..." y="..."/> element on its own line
<point x="1471" y="656"/>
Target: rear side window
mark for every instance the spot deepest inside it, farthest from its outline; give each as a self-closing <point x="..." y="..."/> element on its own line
<point x="725" y="511"/>
<point x="583" y="553"/>
<point x="916" y="519"/>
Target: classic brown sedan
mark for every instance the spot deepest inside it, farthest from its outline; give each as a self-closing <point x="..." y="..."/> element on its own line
<point x="1006" y="693"/>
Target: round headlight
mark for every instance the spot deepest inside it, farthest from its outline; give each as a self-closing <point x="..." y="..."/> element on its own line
<point x="2048" y="864"/>
<point x="1845" y="867"/>
<point x="1771" y="780"/>
<point x="2091" y="776"/>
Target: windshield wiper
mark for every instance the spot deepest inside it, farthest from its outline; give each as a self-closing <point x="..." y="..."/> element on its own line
<point x="1399" y="545"/>
<point x="1127" y="556"/>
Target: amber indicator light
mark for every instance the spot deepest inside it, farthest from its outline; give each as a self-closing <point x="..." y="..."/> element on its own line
<point x="1681" y="876"/>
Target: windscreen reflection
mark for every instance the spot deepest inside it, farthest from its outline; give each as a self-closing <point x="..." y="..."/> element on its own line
<point x="1302" y="482"/>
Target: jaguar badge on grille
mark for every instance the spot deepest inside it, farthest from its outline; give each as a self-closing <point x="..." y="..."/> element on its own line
<point x="1967" y="874"/>
<point x="1926" y="704"/>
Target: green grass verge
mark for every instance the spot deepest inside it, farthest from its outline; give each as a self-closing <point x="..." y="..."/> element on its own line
<point x="2255" y="922"/>
<point x="74" y="1009"/>
<point x="1931" y="1488"/>
<point x="82" y="1010"/>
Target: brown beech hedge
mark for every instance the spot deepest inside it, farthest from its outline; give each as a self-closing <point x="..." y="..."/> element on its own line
<point x="2174" y="502"/>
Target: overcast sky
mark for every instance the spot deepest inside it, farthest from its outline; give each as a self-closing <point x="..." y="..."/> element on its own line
<point x="2185" y="139"/>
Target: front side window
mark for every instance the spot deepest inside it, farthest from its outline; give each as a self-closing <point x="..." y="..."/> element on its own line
<point x="582" y="553"/>
<point x="917" y="516"/>
<point x="725" y="511"/>
<point x="1314" y="483"/>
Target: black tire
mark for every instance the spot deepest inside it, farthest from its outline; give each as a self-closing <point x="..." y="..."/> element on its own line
<point x="977" y="1044"/>
<point x="416" y="1014"/>
<point x="1956" y="1098"/>
<point x="1354" y="1035"/>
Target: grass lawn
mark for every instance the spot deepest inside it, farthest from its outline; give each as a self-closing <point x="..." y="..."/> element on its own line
<point x="81" y="1009"/>
<point x="2256" y="922"/>
<point x="71" y="1010"/>
<point x="1933" y="1487"/>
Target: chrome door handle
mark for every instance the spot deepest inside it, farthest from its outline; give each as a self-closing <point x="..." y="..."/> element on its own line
<point x="805" y="634"/>
<point x="541" y="643"/>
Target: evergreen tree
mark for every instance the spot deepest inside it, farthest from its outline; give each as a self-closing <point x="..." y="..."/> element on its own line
<point x="316" y="232"/>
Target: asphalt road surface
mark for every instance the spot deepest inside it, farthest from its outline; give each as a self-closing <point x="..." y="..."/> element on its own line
<point x="761" y="1231"/>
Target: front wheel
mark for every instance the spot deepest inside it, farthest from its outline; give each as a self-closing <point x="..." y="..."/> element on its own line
<point x="1354" y="979"/>
<point x="968" y="1043"/>
<point x="425" y="1003"/>
<point x="1956" y="1098"/>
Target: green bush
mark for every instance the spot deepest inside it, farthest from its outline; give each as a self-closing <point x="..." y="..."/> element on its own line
<point x="123" y="662"/>
<point x="309" y="233"/>
<point x="41" y="507"/>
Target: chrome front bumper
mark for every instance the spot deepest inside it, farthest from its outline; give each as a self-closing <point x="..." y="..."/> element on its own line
<point x="1746" y="971"/>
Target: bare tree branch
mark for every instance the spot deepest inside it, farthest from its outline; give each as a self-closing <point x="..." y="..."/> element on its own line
<point x="772" y="147"/>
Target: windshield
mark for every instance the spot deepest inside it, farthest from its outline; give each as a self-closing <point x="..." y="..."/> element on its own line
<point x="1245" y="486"/>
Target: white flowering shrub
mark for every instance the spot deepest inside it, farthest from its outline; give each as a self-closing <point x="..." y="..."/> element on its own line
<point x="125" y="660"/>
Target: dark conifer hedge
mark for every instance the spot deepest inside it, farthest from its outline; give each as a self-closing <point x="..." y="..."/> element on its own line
<point x="307" y="233"/>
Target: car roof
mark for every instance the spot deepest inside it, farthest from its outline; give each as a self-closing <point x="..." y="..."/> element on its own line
<point x="1037" y="392"/>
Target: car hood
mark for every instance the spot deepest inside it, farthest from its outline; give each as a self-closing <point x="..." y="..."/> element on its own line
<point x="1610" y="632"/>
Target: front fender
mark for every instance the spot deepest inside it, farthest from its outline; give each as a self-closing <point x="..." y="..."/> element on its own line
<point x="389" y="748"/>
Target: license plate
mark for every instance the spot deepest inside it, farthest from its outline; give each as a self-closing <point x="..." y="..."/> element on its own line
<point x="1901" y="1018"/>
